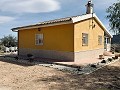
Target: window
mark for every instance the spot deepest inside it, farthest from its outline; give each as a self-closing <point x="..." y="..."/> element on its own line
<point x="84" y="39"/>
<point x="99" y="40"/>
<point x="108" y="40"/>
<point x="39" y="39"/>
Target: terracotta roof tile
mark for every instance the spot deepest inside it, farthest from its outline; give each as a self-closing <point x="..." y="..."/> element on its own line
<point x="46" y="22"/>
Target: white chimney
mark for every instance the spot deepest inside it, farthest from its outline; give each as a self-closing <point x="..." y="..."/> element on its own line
<point x="89" y="7"/>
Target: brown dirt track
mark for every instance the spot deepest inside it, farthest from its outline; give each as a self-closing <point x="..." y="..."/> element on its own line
<point x="24" y="77"/>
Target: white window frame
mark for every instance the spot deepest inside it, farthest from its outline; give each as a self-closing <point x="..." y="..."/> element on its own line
<point x="99" y="40"/>
<point x="84" y="39"/>
<point x="38" y="39"/>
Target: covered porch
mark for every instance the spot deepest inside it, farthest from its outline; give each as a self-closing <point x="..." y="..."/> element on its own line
<point x="107" y="42"/>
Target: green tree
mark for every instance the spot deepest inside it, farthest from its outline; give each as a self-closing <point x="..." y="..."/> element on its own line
<point x="9" y="41"/>
<point x="114" y="17"/>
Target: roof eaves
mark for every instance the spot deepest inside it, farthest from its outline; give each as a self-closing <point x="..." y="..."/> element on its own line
<point x="103" y="26"/>
<point x="44" y="23"/>
<point x="82" y="17"/>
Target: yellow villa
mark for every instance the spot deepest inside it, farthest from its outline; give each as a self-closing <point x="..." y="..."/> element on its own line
<point x="71" y="39"/>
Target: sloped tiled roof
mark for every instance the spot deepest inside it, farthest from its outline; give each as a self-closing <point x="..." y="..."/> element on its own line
<point x="55" y="21"/>
<point x="46" y="22"/>
<point x="72" y="19"/>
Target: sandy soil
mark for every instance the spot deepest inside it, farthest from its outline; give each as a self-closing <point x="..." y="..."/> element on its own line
<point x="25" y="77"/>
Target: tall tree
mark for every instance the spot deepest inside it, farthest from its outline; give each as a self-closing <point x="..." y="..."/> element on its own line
<point x="9" y="41"/>
<point x="114" y="17"/>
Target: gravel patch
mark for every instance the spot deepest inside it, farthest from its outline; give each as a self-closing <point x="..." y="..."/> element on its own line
<point x="75" y="70"/>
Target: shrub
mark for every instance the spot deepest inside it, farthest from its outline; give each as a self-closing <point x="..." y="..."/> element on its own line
<point x="103" y="61"/>
<point x="110" y="59"/>
<point x="113" y="58"/>
<point x="29" y="55"/>
<point x="16" y="58"/>
<point x="94" y="66"/>
<point x="116" y="57"/>
<point x="113" y="52"/>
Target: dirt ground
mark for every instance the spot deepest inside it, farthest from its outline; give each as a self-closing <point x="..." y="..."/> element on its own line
<point x="24" y="77"/>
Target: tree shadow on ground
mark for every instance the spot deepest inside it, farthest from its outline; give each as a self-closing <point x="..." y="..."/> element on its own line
<point x="107" y="78"/>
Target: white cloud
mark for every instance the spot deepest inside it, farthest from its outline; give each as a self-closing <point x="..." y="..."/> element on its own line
<point x="5" y="19"/>
<point x="29" y="6"/>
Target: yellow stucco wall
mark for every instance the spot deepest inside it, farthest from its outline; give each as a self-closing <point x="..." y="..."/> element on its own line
<point x="58" y="38"/>
<point x="67" y="37"/>
<point x="85" y="27"/>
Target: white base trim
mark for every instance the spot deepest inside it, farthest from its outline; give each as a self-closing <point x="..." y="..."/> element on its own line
<point x="62" y="55"/>
<point x="52" y="54"/>
<point x="88" y="54"/>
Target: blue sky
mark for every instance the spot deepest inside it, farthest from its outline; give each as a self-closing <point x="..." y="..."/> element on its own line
<point x="15" y="13"/>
